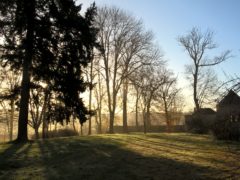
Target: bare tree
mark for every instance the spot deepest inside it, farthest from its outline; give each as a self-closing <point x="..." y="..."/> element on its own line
<point x="122" y="39"/>
<point x="9" y="95"/>
<point x="99" y="93"/>
<point x="38" y="101"/>
<point x="167" y="96"/>
<point x="133" y="59"/>
<point x="147" y="81"/>
<point x="197" y="43"/>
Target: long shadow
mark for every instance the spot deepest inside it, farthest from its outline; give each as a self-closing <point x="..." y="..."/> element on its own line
<point x="175" y="150"/>
<point x="107" y="159"/>
<point x="94" y="158"/>
<point x="13" y="158"/>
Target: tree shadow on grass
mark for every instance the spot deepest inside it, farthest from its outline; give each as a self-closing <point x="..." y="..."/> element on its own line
<point x="98" y="159"/>
<point x="13" y="158"/>
<point x="91" y="158"/>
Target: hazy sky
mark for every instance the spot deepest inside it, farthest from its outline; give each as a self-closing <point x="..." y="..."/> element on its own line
<point x="170" y="18"/>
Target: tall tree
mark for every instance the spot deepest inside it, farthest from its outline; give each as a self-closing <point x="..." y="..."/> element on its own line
<point x="147" y="80"/>
<point x="197" y="43"/>
<point x="50" y="41"/>
<point x="122" y="38"/>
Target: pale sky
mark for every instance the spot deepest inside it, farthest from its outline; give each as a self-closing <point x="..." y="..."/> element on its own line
<point x="169" y="19"/>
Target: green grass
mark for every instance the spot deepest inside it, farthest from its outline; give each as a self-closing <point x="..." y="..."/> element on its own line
<point x="134" y="156"/>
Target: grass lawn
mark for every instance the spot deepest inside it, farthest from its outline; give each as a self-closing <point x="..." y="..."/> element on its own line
<point x="133" y="156"/>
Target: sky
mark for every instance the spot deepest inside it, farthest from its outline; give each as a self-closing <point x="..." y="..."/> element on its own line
<point x="169" y="19"/>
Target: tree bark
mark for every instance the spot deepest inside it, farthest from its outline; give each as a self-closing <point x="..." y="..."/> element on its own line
<point x="148" y="120"/>
<point x="167" y="115"/>
<point x="144" y="122"/>
<point x="11" y="119"/>
<point x="136" y="110"/>
<point x="27" y="62"/>
<point x="90" y="98"/>
<point x="111" y="122"/>
<point x="36" y="132"/>
<point x="125" y="92"/>
<point x="195" y="80"/>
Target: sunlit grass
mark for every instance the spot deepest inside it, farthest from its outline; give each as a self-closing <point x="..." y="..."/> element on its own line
<point x="120" y="156"/>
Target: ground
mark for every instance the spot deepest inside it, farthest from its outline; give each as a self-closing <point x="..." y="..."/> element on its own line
<point x="133" y="156"/>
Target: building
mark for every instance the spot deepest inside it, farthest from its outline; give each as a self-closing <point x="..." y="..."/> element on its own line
<point x="229" y="107"/>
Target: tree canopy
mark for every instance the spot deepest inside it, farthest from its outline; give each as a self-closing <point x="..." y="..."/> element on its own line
<point x="50" y="41"/>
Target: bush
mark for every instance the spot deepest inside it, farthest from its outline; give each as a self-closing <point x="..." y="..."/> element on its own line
<point x="58" y="133"/>
<point x="195" y="124"/>
<point x="62" y="133"/>
<point x="224" y="129"/>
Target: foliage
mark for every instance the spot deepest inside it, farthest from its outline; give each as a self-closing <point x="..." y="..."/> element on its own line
<point x="50" y="41"/>
<point x="225" y="129"/>
<point x="197" y="124"/>
<point x="60" y="133"/>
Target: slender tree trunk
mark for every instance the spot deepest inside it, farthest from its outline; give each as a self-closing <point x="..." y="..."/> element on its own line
<point x="111" y="121"/>
<point x="27" y="61"/>
<point x="90" y="98"/>
<point x="148" y="120"/>
<point x="136" y="110"/>
<point x="36" y="132"/>
<point x="99" y="102"/>
<point x="55" y="129"/>
<point x="74" y="127"/>
<point x="125" y="91"/>
<point x="100" y="121"/>
<point x="11" y="119"/>
<point x="167" y="116"/>
<point x="111" y="113"/>
<point x="43" y="115"/>
<point x="45" y="129"/>
<point x="144" y="121"/>
<point x="81" y="129"/>
<point x="195" y="98"/>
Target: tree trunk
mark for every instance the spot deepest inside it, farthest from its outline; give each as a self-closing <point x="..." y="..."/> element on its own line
<point x="74" y="127"/>
<point x="81" y="130"/>
<point x="99" y="103"/>
<point x="195" y="98"/>
<point x="148" y="120"/>
<point x="167" y="116"/>
<point x="99" y="129"/>
<point x="11" y="119"/>
<point x="144" y="122"/>
<point x="111" y="122"/>
<point x="100" y="121"/>
<point x="23" y="113"/>
<point x="45" y="129"/>
<point x="125" y="91"/>
<point x="27" y="61"/>
<point x="90" y="98"/>
<point x="36" y="132"/>
<point x="136" y="109"/>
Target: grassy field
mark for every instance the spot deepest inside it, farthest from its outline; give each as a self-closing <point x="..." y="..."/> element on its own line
<point x="134" y="156"/>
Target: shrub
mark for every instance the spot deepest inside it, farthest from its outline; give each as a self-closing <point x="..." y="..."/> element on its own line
<point x="196" y="124"/>
<point x="224" y="129"/>
<point x="58" y="133"/>
<point x="62" y="133"/>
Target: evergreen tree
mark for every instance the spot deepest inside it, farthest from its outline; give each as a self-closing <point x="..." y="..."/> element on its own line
<point x="50" y="41"/>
